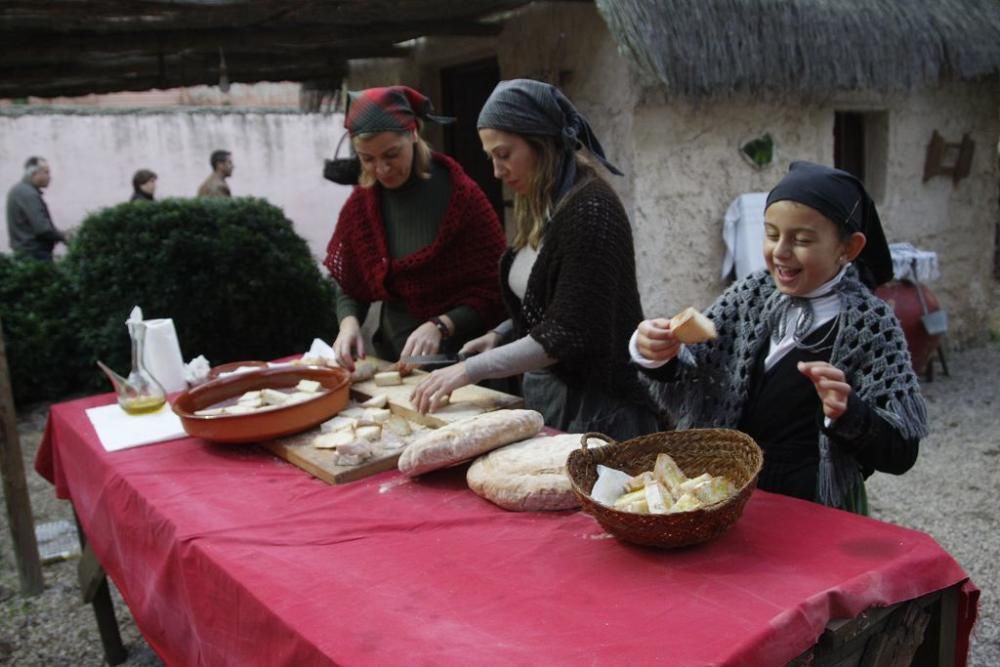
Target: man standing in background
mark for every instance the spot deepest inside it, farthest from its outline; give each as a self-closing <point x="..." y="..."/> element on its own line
<point x="29" y="225"/>
<point x="222" y="168"/>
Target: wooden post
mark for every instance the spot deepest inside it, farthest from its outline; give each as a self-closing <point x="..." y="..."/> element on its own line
<point x="15" y="489"/>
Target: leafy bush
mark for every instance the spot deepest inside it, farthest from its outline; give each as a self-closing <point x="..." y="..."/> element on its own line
<point x="40" y="329"/>
<point x="237" y="280"/>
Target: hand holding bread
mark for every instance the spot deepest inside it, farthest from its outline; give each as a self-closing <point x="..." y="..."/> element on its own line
<point x="690" y="327"/>
<point x="660" y="339"/>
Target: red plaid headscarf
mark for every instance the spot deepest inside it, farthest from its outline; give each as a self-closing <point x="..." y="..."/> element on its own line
<point x="388" y="109"/>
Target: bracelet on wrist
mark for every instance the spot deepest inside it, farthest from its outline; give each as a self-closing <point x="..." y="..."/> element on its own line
<point x="441" y="326"/>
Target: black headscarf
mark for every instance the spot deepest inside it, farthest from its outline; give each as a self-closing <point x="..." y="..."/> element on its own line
<point x="843" y="200"/>
<point x="525" y="106"/>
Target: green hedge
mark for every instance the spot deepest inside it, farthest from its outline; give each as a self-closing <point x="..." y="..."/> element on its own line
<point x="237" y="280"/>
<point x="40" y="329"/>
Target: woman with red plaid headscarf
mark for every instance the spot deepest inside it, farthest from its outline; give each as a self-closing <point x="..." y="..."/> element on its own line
<point x="417" y="234"/>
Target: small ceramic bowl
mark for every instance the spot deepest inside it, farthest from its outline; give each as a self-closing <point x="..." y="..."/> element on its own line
<point x="265" y="424"/>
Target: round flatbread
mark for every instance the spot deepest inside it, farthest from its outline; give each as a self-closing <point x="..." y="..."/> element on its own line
<point x="527" y="476"/>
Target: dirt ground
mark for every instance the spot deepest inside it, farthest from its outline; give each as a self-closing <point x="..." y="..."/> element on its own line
<point x="952" y="493"/>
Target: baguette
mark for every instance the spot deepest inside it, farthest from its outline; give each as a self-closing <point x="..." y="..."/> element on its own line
<point x="467" y="439"/>
<point x="690" y="326"/>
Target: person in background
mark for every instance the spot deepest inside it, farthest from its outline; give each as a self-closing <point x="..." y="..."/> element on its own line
<point x="808" y="361"/>
<point x="143" y="185"/>
<point x="29" y="225"/>
<point x="568" y="281"/>
<point x="222" y="168"/>
<point x="417" y="234"/>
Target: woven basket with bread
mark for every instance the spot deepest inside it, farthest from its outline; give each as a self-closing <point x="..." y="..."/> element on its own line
<point x="723" y="452"/>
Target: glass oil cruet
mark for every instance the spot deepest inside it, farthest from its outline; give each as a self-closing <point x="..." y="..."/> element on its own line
<point x="140" y="392"/>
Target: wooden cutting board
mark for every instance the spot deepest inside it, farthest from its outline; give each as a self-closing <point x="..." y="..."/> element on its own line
<point x="298" y="450"/>
<point x="465" y="402"/>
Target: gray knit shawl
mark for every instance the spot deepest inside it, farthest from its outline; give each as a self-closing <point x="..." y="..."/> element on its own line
<point x="713" y="379"/>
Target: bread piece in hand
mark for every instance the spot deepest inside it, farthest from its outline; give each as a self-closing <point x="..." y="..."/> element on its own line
<point x="690" y="327"/>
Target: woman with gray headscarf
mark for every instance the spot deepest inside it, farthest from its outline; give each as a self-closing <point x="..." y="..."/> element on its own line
<point x="568" y="280"/>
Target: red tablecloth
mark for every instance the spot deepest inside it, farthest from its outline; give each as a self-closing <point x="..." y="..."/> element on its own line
<point x="227" y="555"/>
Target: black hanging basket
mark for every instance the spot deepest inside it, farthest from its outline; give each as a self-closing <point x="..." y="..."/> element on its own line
<point x="343" y="170"/>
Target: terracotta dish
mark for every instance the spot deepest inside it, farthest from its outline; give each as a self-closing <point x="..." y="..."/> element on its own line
<point x="216" y="371"/>
<point x="266" y="424"/>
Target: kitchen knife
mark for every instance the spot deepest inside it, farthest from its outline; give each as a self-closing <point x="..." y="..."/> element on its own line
<point x="433" y="359"/>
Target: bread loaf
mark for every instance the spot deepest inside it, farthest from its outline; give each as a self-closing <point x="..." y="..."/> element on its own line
<point x="468" y="438"/>
<point x="527" y="476"/>
<point x="690" y="327"/>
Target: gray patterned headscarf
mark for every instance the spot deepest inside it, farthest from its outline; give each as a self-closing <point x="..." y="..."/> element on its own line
<point x="525" y="106"/>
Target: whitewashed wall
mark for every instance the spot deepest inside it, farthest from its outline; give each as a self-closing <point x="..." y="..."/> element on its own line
<point x="687" y="171"/>
<point x="959" y="222"/>
<point x="277" y="156"/>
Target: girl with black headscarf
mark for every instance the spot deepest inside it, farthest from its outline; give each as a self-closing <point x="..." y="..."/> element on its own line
<point x="808" y="361"/>
<point x="568" y="281"/>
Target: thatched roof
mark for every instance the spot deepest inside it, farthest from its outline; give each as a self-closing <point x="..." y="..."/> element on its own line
<point x="811" y="47"/>
<point x="74" y="47"/>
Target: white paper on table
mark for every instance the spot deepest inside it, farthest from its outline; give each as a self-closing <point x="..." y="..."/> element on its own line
<point x="162" y="356"/>
<point x="321" y="350"/>
<point x="610" y="485"/>
<point x="117" y="429"/>
<point x="162" y="351"/>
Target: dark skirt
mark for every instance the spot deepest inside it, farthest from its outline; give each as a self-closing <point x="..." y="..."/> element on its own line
<point x="575" y="409"/>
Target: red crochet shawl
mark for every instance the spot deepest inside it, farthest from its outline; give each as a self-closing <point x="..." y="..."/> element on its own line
<point x="459" y="268"/>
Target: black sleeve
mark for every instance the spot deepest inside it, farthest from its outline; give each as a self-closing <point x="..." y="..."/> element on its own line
<point x="872" y="440"/>
<point x="665" y="373"/>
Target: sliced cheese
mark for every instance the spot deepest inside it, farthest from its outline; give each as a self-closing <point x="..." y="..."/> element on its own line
<point x="273" y="396"/>
<point x="377" y="415"/>
<point x="338" y="423"/>
<point x="369" y="433"/>
<point x="333" y="440"/>
<point x="308" y="386"/>
<point x="686" y="503"/>
<point x="376" y="401"/>
<point x="398" y="425"/>
<point x="388" y="379"/>
<point x="658" y="499"/>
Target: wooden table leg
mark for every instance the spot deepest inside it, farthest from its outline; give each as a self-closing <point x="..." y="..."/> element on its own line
<point x="942" y="632"/>
<point x="920" y="633"/>
<point x="94" y="590"/>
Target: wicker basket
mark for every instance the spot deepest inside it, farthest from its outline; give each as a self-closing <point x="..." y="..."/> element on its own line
<point x="696" y="451"/>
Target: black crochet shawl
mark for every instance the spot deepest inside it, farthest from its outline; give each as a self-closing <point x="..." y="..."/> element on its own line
<point x="582" y="301"/>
